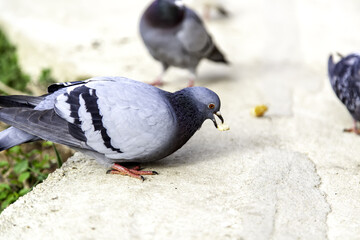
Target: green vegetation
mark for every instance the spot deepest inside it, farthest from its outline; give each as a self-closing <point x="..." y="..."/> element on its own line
<point x="10" y="72"/>
<point x="23" y="170"/>
<point x="45" y="78"/>
<point x="22" y="167"/>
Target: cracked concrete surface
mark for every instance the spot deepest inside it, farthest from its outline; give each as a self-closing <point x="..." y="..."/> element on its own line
<point x="290" y="175"/>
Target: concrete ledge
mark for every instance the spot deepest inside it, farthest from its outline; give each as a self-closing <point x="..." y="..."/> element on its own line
<point x="189" y="200"/>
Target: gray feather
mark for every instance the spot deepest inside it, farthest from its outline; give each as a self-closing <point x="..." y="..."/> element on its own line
<point x="43" y="124"/>
<point x="20" y="101"/>
<point x="12" y="136"/>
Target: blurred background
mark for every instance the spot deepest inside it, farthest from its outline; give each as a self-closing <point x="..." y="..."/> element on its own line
<point x="81" y="38"/>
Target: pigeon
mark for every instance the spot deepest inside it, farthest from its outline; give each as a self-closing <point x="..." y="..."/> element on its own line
<point x="345" y="80"/>
<point x="115" y="120"/>
<point x="176" y="36"/>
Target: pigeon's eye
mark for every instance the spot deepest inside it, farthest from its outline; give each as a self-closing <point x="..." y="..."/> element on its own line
<point x="211" y="106"/>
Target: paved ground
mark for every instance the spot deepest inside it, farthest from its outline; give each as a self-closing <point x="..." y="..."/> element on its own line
<point x="290" y="175"/>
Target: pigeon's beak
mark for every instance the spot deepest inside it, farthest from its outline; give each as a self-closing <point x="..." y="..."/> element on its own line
<point x="219" y="116"/>
<point x="222" y="126"/>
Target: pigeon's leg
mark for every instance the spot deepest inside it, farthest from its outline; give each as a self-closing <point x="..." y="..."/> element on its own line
<point x="206" y="13"/>
<point x="159" y="80"/>
<point x="355" y="129"/>
<point x="191" y="82"/>
<point x="192" y="78"/>
<point x="131" y="172"/>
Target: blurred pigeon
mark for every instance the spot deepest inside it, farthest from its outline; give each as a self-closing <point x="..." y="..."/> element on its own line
<point x="176" y="36"/>
<point x="345" y="81"/>
<point x="113" y="119"/>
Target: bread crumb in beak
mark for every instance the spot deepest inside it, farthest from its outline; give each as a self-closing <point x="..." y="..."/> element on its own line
<point x="223" y="127"/>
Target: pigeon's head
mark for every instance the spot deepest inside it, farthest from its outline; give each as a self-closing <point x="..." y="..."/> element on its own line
<point x="171" y="5"/>
<point x="208" y="103"/>
<point x="165" y="13"/>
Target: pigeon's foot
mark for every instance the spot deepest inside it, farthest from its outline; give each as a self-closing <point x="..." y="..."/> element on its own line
<point x="157" y="82"/>
<point x="354" y="130"/>
<point x="131" y="172"/>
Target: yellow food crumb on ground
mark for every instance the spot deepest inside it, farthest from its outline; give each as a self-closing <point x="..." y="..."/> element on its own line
<point x="259" y="110"/>
<point x="223" y="127"/>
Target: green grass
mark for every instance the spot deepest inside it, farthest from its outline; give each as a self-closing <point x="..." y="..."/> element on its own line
<point x="22" y="170"/>
<point x="45" y="78"/>
<point x="10" y="72"/>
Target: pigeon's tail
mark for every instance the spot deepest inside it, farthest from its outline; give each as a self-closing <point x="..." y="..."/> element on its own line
<point x="12" y="136"/>
<point x="20" y="101"/>
<point x="217" y="56"/>
<point x="331" y="66"/>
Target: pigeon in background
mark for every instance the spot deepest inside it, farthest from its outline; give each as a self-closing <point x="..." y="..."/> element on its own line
<point x="345" y="81"/>
<point x="113" y="119"/>
<point x="176" y="36"/>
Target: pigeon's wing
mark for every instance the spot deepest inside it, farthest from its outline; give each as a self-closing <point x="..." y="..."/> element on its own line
<point x="20" y="101"/>
<point x="345" y="81"/>
<point x="345" y="72"/>
<point x="44" y="124"/>
<point x="14" y="136"/>
<point x="118" y="117"/>
<point x="56" y="86"/>
<point x="11" y="137"/>
<point x="353" y="102"/>
<point x="193" y="35"/>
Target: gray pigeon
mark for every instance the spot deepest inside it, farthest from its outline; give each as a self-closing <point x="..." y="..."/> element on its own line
<point x="176" y="36"/>
<point x="345" y="81"/>
<point x="113" y="119"/>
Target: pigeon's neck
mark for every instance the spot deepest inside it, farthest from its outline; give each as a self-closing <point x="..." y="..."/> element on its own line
<point x="164" y="14"/>
<point x="189" y="118"/>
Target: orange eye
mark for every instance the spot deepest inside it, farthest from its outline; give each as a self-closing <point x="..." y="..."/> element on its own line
<point x="211" y="106"/>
